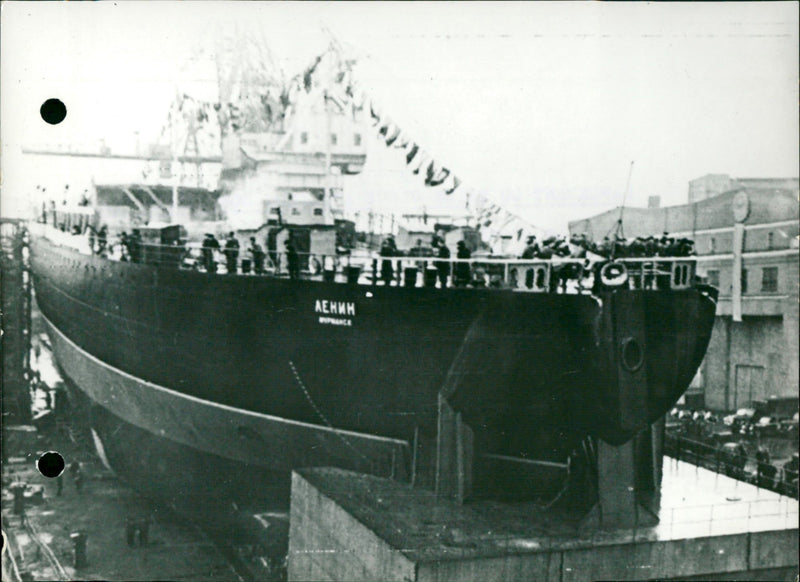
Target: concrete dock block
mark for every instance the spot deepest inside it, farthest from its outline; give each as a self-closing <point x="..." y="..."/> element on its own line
<point x="771" y="549"/>
<point x="358" y="527"/>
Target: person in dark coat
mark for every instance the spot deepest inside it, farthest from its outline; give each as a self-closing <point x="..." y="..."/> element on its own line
<point x="102" y="240"/>
<point x="124" y="252"/>
<point x="531" y="249"/>
<point x="135" y="246"/>
<point x="257" y="255"/>
<point x="92" y="239"/>
<point x="231" y="252"/>
<point x="210" y="244"/>
<point x="388" y="249"/>
<point x="292" y="259"/>
<point x="462" y="273"/>
<point x="442" y="266"/>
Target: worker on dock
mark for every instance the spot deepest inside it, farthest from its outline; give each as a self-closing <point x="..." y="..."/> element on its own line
<point x="231" y="252"/>
<point x="77" y="475"/>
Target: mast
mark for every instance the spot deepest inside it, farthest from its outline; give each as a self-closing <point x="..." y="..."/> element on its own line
<point x="328" y="145"/>
<point x="175" y="176"/>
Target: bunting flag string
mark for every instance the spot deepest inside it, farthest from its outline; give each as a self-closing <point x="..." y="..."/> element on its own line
<point x="333" y="72"/>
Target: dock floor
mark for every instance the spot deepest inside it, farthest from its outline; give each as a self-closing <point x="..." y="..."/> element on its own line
<point x="39" y="547"/>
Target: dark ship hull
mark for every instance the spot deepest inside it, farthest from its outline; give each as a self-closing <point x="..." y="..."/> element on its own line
<point x="281" y="374"/>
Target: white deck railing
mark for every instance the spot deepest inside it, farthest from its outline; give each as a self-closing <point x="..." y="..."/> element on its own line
<point x="555" y="275"/>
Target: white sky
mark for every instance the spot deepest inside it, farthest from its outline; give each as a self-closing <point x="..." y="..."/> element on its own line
<point x="540" y="106"/>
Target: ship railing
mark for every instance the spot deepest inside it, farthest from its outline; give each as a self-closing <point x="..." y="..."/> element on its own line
<point x="554" y="275"/>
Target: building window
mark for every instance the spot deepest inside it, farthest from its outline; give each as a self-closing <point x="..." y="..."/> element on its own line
<point x="744" y="280"/>
<point x="769" y="279"/>
<point x="357" y="139"/>
<point x="712" y="245"/>
<point x="334" y="139"/>
<point x="770" y="241"/>
<point x="713" y="277"/>
<point x="304" y="137"/>
<point x="295" y="211"/>
<point x="318" y="212"/>
<point x="274" y="210"/>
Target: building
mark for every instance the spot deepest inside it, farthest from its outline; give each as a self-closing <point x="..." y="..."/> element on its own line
<point x="747" y="245"/>
<point x="712" y="185"/>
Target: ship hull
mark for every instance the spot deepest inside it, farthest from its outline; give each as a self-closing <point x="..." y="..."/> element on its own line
<point x="282" y="374"/>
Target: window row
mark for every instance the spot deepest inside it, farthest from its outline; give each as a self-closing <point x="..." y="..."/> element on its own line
<point x="334" y="138"/>
<point x="295" y="211"/>
<point x="769" y="279"/>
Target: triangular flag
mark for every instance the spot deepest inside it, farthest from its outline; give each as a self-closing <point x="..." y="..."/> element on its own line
<point x="430" y="172"/>
<point x="456" y="184"/>
<point x="393" y="136"/>
<point x="411" y="153"/>
<point x="439" y="178"/>
<point x="423" y="159"/>
<point x="402" y="141"/>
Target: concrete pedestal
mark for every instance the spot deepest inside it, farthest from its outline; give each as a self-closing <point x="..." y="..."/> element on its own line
<point x="347" y="526"/>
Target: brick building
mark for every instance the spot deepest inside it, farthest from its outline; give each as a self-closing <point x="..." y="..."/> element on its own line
<point x="747" y="245"/>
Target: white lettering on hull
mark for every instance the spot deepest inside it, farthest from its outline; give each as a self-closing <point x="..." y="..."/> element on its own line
<point x="330" y="307"/>
<point x="336" y="321"/>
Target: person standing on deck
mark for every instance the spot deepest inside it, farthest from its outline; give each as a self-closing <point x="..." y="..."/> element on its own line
<point x="210" y="244"/>
<point x="442" y="266"/>
<point x="102" y="240"/>
<point x="388" y="249"/>
<point x="257" y="256"/>
<point x="292" y="259"/>
<point x="531" y="249"/>
<point x="418" y="251"/>
<point x="124" y="251"/>
<point x="462" y="270"/>
<point x="231" y="253"/>
<point x="135" y="246"/>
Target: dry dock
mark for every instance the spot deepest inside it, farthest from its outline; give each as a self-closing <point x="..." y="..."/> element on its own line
<point x="346" y="526"/>
<point x="40" y="545"/>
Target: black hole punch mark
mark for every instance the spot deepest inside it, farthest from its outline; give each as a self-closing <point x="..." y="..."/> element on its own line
<point x="50" y="464"/>
<point x="53" y="111"/>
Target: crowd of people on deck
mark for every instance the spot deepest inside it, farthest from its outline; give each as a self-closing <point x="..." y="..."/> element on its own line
<point x="461" y="272"/>
<point x="642" y="247"/>
<point x="130" y="247"/>
<point x="617" y="247"/>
